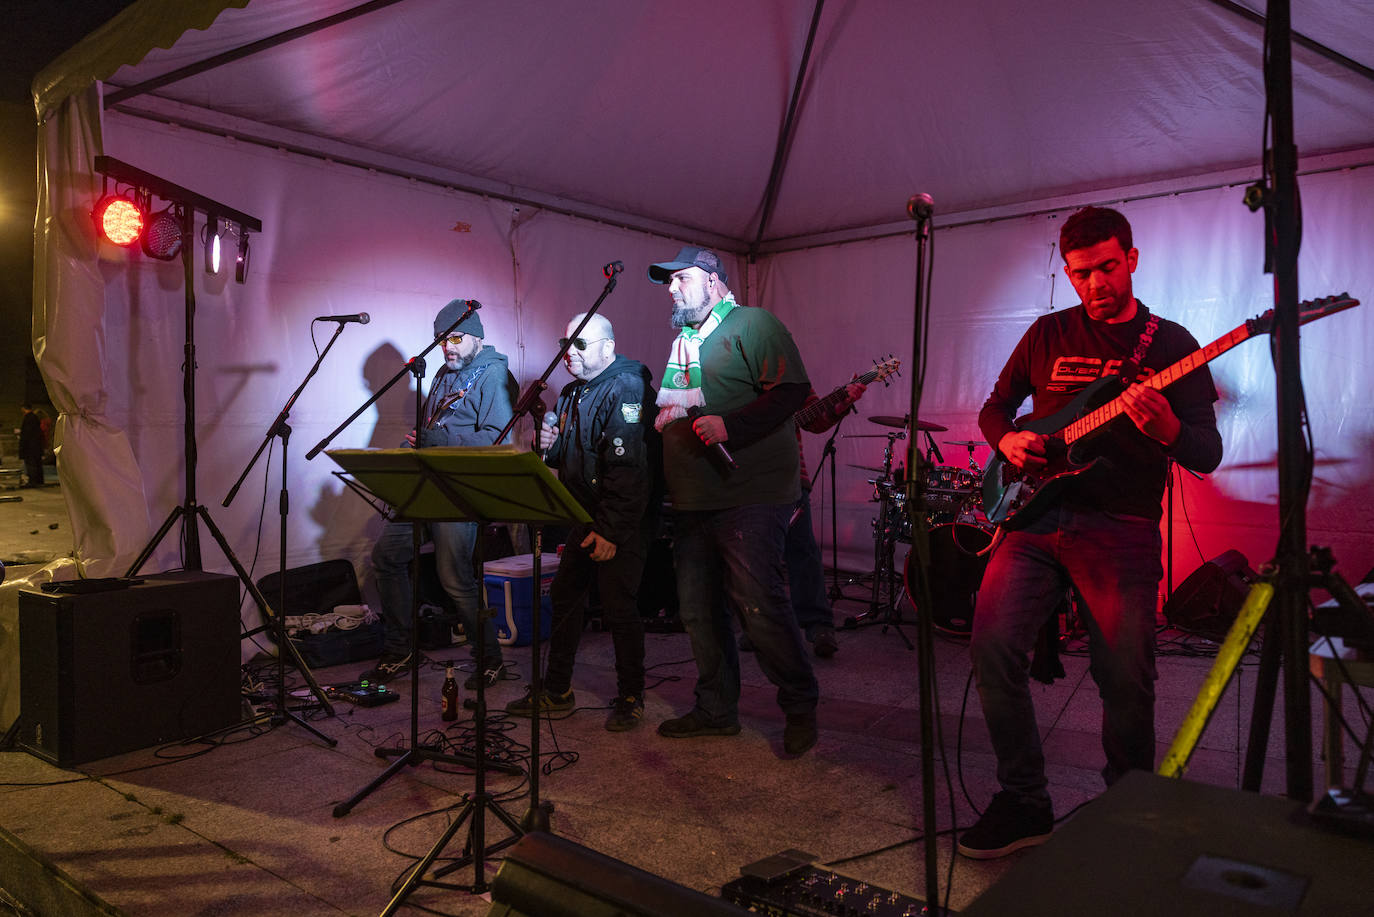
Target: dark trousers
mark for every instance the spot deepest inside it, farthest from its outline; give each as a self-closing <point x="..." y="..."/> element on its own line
<point x="732" y="559"/>
<point x="33" y="468"/>
<point x="617" y="584"/>
<point x="1113" y="562"/>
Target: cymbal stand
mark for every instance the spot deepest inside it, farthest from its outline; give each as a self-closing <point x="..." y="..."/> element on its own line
<point x="884" y="549"/>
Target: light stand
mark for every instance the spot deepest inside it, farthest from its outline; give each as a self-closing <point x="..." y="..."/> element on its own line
<point x="921" y="209"/>
<point x="190" y="511"/>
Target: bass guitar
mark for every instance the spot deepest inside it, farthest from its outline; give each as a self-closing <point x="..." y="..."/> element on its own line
<point x="1012" y="498"/>
<point x="817" y="408"/>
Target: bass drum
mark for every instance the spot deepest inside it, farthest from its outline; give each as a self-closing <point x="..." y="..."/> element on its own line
<point x="957" y="574"/>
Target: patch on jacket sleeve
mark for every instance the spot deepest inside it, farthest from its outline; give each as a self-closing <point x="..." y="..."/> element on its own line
<point x="630" y="412"/>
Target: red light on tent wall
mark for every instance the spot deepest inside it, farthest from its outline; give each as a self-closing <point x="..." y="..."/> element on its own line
<point x="119" y="219"/>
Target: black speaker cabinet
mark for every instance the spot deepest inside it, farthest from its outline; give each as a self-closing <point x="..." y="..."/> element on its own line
<point x="1208" y="601"/>
<point x="109" y="672"/>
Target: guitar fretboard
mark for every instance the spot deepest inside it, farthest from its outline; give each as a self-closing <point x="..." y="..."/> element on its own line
<point x="1101" y="416"/>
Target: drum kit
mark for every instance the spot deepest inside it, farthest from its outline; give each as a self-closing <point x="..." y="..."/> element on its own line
<point x="958" y="531"/>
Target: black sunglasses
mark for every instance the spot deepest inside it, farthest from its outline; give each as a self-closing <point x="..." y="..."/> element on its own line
<point x="579" y="343"/>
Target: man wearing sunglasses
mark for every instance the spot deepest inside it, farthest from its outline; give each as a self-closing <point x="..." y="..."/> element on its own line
<point x="606" y="454"/>
<point x="469" y="404"/>
<point x="734" y="379"/>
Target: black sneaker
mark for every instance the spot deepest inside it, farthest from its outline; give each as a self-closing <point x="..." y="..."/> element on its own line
<point x="1007" y="826"/>
<point x="390" y="666"/>
<point x="492" y="677"/>
<point x="626" y="712"/>
<point x="694" y="724"/>
<point x="824" y="644"/>
<point x="551" y="702"/>
<point x="800" y="733"/>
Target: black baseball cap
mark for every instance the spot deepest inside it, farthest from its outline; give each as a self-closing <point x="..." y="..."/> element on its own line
<point x="688" y="256"/>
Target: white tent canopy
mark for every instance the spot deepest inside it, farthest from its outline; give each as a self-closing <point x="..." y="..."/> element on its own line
<point x="505" y="150"/>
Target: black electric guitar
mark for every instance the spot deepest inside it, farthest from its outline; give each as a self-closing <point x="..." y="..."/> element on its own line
<point x="879" y="372"/>
<point x="1012" y="497"/>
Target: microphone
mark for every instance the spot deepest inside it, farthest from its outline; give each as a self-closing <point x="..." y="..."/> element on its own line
<point x="610" y="270"/>
<point x="718" y="448"/>
<point x="361" y="318"/>
<point x="920" y="207"/>
<point x="551" y="419"/>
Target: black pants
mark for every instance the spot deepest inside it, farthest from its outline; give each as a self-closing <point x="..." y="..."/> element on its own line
<point x="33" y="468"/>
<point x="617" y="582"/>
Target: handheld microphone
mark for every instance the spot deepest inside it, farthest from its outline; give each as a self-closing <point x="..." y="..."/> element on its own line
<point x="361" y="318"/>
<point x="610" y="270"/>
<point x="551" y="419"/>
<point x="718" y="448"/>
<point x="920" y="207"/>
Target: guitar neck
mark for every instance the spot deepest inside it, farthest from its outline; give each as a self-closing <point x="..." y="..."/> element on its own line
<point x="1101" y="416"/>
<point x="815" y="409"/>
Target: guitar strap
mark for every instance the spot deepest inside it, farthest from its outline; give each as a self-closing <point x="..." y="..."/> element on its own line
<point x="1130" y="367"/>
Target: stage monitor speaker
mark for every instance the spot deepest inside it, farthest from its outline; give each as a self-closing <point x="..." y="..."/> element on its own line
<point x="546" y="876"/>
<point x="1153" y="846"/>
<point x="1208" y="601"/>
<point x="103" y="673"/>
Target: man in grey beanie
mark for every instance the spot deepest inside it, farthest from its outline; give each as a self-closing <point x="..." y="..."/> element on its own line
<point x="469" y="404"/>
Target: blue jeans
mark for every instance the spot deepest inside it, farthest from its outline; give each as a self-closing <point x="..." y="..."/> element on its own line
<point x="806" y="573"/>
<point x="734" y="556"/>
<point x="453" y="547"/>
<point x="1113" y="562"/>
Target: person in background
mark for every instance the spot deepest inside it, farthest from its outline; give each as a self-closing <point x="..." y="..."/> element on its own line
<point x="31" y="446"/>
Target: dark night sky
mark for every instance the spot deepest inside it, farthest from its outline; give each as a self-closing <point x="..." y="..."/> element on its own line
<point x="37" y="31"/>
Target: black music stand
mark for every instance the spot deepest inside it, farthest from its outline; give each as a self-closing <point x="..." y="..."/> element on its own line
<point x="481" y="484"/>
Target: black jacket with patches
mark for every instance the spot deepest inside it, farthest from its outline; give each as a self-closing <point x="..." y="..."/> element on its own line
<point x="482" y="410"/>
<point x="607" y="451"/>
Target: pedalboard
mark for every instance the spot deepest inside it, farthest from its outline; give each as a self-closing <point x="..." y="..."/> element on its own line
<point x="362" y="694"/>
<point x="789" y="884"/>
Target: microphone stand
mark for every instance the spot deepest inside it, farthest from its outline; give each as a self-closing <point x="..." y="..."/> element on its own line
<point x="280" y="428"/>
<point x="828" y="452"/>
<point x="537" y="815"/>
<point x="921" y="209"/>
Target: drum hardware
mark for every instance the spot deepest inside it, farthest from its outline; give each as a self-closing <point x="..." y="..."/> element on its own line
<point x="892" y="420"/>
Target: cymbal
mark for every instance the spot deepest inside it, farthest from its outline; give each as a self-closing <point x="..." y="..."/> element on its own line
<point x="964" y="442"/>
<point x="892" y="420"/>
<point x="865" y="467"/>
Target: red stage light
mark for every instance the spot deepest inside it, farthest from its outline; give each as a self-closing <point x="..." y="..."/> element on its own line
<point x="119" y="220"/>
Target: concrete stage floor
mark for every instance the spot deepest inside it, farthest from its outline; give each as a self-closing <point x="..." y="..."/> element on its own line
<point x="245" y="826"/>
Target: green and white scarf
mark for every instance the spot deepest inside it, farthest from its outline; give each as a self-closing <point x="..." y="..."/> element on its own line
<point x="681" y="388"/>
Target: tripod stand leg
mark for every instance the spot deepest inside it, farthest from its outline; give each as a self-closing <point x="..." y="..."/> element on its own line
<point x="287" y="646"/>
<point x="1228" y="657"/>
<point x="177" y="512"/>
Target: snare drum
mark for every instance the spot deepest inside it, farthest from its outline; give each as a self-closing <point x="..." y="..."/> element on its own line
<point x="956" y="575"/>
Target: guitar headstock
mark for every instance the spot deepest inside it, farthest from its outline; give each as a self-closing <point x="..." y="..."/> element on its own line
<point x="1309" y="310"/>
<point x="881" y="370"/>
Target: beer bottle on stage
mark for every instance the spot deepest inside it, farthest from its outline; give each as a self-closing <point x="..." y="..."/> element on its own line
<point x="450" y="695"/>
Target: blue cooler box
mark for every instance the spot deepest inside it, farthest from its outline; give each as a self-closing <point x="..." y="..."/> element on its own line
<point x="508" y="583"/>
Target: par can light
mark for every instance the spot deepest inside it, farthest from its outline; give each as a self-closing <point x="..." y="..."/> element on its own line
<point x="118" y="219"/>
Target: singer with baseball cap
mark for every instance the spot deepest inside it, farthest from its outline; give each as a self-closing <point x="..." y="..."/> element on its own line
<point x="600" y="439"/>
<point x="469" y="404"/>
<point x="734" y="379"/>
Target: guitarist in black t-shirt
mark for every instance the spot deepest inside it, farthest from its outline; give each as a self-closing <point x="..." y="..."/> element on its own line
<point x="1085" y="514"/>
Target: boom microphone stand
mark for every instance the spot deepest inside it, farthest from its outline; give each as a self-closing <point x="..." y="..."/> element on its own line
<point x="281" y="429"/>
<point x="537" y="816"/>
